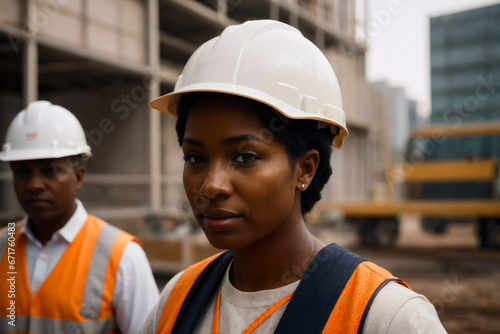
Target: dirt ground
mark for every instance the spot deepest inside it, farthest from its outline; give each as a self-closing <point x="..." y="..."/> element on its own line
<point x="461" y="280"/>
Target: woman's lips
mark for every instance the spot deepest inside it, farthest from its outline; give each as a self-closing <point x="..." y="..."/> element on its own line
<point x="219" y="220"/>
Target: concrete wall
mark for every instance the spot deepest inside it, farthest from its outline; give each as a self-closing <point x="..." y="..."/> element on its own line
<point x="112" y="27"/>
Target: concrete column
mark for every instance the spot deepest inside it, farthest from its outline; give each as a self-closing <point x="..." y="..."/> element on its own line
<point x="222" y="8"/>
<point x="366" y="19"/>
<point x="30" y="71"/>
<point x="154" y="115"/>
<point x="351" y="18"/>
<point x="274" y="10"/>
<point x="30" y="60"/>
<point x="153" y="31"/>
<point x="319" y="35"/>
<point x="294" y="13"/>
<point x="320" y="20"/>
<point x="155" y="149"/>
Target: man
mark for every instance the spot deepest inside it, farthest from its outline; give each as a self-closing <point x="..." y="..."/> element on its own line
<point x="61" y="269"/>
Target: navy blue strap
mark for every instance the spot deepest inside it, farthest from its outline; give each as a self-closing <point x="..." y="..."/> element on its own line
<point x="319" y="290"/>
<point x="370" y="302"/>
<point x="201" y="293"/>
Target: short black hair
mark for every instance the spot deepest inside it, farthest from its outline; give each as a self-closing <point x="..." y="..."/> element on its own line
<point x="298" y="135"/>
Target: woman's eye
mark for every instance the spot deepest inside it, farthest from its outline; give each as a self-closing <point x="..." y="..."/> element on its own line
<point x="246" y="157"/>
<point x="194" y="159"/>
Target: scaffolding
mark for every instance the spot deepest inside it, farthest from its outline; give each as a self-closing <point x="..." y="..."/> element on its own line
<point x="106" y="59"/>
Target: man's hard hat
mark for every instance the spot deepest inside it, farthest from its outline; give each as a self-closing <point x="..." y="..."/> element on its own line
<point x="44" y="131"/>
<point x="270" y="62"/>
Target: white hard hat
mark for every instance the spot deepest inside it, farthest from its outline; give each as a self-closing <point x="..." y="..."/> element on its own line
<point x="43" y="131"/>
<point x="267" y="61"/>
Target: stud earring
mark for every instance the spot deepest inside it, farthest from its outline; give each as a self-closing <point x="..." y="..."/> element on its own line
<point x="303" y="186"/>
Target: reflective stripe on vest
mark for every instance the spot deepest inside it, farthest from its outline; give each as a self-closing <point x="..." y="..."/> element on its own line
<point x="94" y="285"/>
<point x="334" y="295"/>
<point x="43" y="325"/>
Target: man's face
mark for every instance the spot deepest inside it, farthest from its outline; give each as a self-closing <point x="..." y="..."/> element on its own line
<point x="46" y="188"/>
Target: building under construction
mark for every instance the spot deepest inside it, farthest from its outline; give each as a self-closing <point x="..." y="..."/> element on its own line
<point x="104" y="60"/>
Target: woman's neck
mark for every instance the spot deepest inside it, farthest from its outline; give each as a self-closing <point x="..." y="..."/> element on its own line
<point x="270" y="266"/>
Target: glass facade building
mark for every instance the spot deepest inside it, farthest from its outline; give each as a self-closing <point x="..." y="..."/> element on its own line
<point x="465" y="66"/>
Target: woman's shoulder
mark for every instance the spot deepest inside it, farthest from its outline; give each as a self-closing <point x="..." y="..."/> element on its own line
<point x="170" y="285"/>
<point x="397" y="309"/>
<point x="151" y="323"/>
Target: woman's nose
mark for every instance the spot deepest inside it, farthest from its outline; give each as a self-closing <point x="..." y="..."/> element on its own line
<point x="216" y="183"/>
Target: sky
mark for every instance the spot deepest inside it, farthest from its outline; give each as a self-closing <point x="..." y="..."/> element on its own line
<point x="398" y="42"/>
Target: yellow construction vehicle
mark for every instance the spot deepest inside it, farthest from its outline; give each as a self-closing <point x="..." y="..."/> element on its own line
<point x="449" y="174"/>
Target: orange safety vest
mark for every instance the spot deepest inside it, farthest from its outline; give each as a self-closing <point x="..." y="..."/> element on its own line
<point x="77" y="295"/>
<point x="362" y="281"/>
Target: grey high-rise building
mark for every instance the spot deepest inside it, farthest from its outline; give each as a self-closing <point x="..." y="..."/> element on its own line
<point x="465" y="66"/>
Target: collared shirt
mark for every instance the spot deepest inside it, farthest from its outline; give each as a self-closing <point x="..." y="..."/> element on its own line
<point x="136" y="291"/>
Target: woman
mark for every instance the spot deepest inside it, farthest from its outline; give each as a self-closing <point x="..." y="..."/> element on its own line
<point x="259" y="110"/>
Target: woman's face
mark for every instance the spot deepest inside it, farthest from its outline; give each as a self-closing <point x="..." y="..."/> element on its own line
<point x="238" y="179"/>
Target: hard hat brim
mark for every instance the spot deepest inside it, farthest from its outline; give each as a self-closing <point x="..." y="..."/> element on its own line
<point x="31" y="154"/>
<point x="168" y="104"/>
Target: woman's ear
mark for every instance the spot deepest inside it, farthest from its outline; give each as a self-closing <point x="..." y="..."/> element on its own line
<point x="307" y="166"/>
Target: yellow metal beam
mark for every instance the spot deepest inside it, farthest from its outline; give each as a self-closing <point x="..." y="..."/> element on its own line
<point x="439" y="208"/>
<point x="442" y="131"/>
<point x="444" y="171"/>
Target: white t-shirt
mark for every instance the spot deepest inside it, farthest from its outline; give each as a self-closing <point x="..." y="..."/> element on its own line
<point x="395" y="310"/>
